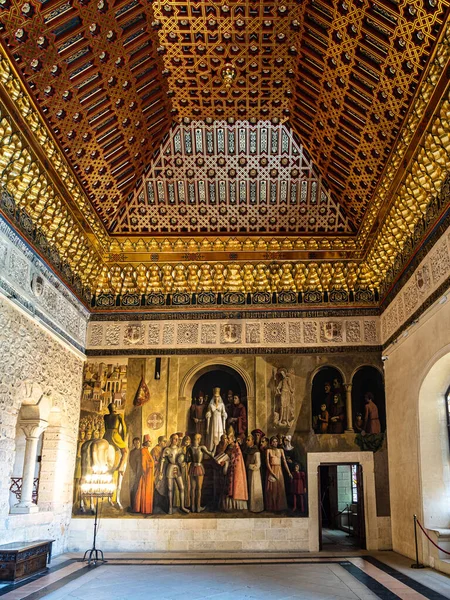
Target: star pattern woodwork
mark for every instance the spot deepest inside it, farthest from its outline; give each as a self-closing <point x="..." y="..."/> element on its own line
<point x="94" y="71"/>
<point x="231" y="178"/>
<point x="343" y="73"/>
<point x="359" y="66"/>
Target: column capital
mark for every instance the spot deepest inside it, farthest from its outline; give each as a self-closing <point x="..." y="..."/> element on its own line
<point x="33" y="428"/>
<point x="348" y="386"/>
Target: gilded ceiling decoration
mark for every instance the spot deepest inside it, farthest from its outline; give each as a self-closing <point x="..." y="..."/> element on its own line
<point x="94" y="71"/>
<point x="231" y="178"/>
<point x="359" y="66"/>
<point x="354" y="96"/>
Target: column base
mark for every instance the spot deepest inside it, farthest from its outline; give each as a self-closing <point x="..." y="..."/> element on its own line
<point x="349" y="431"/>
<point x="25" y="509"/>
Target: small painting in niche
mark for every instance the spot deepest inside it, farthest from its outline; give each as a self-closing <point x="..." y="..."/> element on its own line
<point x="368" y="401"/>
<point x="328" y="402"/>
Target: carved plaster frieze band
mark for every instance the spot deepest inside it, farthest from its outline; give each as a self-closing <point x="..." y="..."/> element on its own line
<point x="429" y="278"/>
<point x="25" y="279"/>
<point x="132" y="336"/>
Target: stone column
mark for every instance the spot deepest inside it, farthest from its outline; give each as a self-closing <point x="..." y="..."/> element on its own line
<point x="349" y="408"/>
<point x="32" y="431"/>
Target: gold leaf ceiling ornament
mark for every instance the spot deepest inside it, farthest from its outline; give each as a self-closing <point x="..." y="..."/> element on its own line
<point x="231" y="178"/>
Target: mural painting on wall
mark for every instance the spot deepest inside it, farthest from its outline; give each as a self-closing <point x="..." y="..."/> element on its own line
<point x="216" y="464"/>
<point x="369" y="408"/>
<point x="329" y="413"/>
<point x="328" y="402"/>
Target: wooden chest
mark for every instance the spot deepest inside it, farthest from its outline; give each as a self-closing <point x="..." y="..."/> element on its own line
<point x="20" y="560"/>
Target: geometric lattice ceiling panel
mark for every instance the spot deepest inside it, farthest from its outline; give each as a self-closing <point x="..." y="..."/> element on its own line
<point x="110" y="75"/>
<point x="226" y="178"/>
<point x="343" y="73"/>
<point x="201" y="38"/>
<point x="359" y="65"/>
<point x="93" y="70"/>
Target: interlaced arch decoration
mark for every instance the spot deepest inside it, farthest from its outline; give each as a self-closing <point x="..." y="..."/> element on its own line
<point x="222" y="177"/>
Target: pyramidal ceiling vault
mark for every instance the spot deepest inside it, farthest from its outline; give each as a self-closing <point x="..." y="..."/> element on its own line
<point x="230" y="178"/>
<point x="110" y="77"/>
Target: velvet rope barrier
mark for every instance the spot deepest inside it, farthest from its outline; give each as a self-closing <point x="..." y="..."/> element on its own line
<point x="428" y="537"/>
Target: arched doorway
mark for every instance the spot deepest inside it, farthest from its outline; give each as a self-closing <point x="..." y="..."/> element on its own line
<point x="231" y="384"/>
<point x="434" y="445"/>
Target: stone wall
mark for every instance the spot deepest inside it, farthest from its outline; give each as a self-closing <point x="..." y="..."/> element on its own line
<point x="29" y="352"/>
<point x="196" y="535"/>
<point x="407" y="363"/>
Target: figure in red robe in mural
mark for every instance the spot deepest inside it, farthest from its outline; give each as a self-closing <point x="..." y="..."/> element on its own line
<point x="143" y="501"/>
<point x="197" y="414"/>
<point x="235" y="492"/>
<point x="237" y="418"/>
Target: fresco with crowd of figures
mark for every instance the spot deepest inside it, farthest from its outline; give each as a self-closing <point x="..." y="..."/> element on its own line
<point x="191" y="436"/>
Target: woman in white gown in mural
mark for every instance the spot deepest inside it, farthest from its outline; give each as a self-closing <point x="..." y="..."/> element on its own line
<point x="216" y="417"/>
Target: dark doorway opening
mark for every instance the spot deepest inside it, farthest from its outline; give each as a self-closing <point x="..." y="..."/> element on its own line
<point x="341" y="507"/>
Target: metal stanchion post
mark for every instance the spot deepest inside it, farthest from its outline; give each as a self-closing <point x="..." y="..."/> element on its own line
<point x="416" y="565"/>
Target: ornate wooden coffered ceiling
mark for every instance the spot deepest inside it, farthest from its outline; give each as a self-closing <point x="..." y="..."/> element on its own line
<point x="101" y="102"/>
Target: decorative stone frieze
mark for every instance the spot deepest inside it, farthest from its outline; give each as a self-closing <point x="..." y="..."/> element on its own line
<point x="132" y="336"/>
<point x="425" y="284"/>
<point x="28" y="281"/>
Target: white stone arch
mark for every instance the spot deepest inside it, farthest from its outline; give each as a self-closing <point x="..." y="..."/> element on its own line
<point x="434" y="444"/>
<point x="33" y="415"/>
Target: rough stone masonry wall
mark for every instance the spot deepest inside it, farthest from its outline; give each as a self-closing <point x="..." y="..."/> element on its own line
<point x="28" y="352"/>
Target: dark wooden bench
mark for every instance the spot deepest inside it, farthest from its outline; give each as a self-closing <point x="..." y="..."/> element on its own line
<point x="20" y="560"/>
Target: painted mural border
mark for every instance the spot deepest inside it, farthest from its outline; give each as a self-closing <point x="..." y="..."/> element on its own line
<point x="238" y="314"/>
<point x="260" y="350"/>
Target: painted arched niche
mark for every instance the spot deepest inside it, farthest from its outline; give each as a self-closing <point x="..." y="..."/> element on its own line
<point x="367" y="382"/>
<point x="327" y="383"/>
<point x="229" y="377"/>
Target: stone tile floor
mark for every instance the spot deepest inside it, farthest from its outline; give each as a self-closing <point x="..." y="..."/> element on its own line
<point x="325" y="576"/>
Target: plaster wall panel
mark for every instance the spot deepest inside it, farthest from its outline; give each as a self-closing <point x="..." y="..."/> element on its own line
<point x="408" y="362"/>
